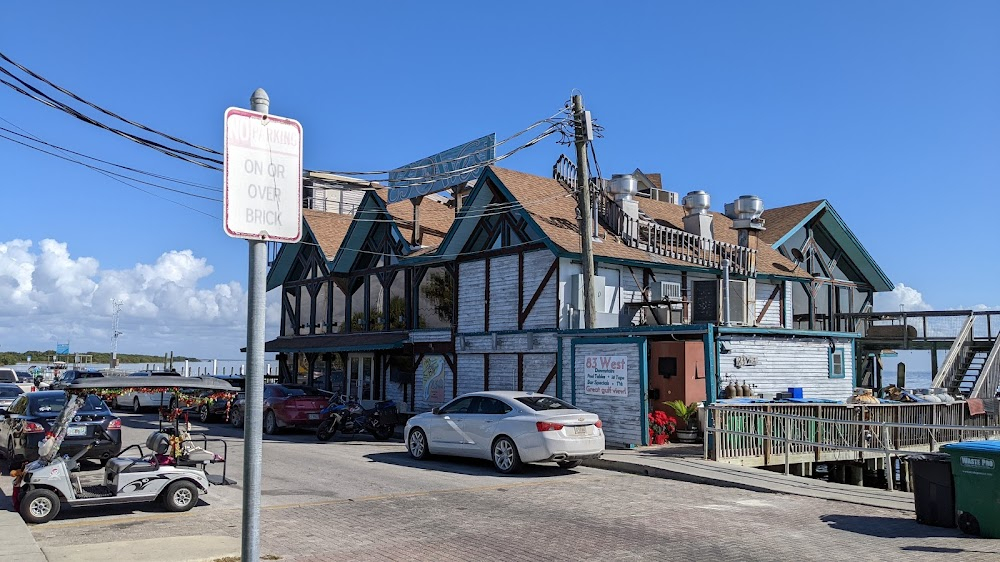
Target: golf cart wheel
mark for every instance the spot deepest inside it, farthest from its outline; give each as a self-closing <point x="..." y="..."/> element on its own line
<point x="416" y="444"/>
<point x="270" y="423"/>
<point x="136" y="407"/>
<point x="203" y="414"/>
<point x="40" y="506"/>
<point x="180" y="496"/>
<point x="505" y="457"/>
<point x="236" y="417"/>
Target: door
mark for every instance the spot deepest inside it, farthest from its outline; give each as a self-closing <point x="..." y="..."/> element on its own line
<point x="480" y="425"/>
<point x="360" y="372"/>
<point x="443" y="430"/>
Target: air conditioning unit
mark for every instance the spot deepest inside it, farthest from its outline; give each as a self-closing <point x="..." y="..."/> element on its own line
<point x="575" y="297"/>
<point x="664" y="290"/>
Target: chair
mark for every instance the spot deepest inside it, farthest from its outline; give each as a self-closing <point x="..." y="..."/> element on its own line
<point x="158" y="444"/>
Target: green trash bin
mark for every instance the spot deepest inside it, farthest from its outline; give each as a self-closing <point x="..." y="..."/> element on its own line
<point x="975" y="466"/>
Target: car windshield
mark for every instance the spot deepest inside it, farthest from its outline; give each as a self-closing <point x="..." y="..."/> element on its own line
<point x="53" y="404"/>
<point x="304" y="391"/>
<point x="10" y="392"/>
<point x="540" y="403"/>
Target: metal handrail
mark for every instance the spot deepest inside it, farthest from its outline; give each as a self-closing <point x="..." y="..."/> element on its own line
<point x="989" y="377"/>
<point x="950" y="366"/>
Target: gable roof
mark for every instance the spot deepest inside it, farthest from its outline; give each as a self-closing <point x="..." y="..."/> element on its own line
<point x="553" y="210"/>
<point x="789" y="220"/>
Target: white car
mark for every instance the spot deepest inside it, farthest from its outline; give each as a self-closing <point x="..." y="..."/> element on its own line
<point x="136" y="401"/>
<point x="509" y="428"/>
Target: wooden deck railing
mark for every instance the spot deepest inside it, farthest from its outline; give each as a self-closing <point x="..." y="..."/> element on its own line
<point x="950" y="374"/>
<point x="772" y="434"/>
<point x="989" y="376"/>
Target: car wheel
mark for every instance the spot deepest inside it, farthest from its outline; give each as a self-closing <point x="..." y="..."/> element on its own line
<point x="416" y="443"/>
<point x="270" y="423"/>
<point x="505" y="457"/>
<point x="136" y="408"/>
<point x="568" y="464"/>
<point x="180" y="496"/>
<point x="236" y="417"/>
<point x="203" y="414"/>
<point x="40" y="506"/>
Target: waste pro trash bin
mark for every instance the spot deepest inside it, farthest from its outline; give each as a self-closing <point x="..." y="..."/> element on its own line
<point x="933" y="491"/>
<point x="976" y="469"/>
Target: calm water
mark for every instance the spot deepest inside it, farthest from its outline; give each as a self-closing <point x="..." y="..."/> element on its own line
<point x="195" y="368"/>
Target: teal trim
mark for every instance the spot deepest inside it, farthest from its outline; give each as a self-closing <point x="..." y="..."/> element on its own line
<point x="711" y="349"/>
<point x="643" y="389"/>
<point x="854" y="362"/>
<point x="834" y="351"/>
<point x="559" y="367"/>
<point x="373" y="347"/>
<point x="277" y="274"/>
<point x="643" y="330"/>
<point x="735" y="330"/>
<point x="647" y="264"/>
<point x="802" y="223"/>
<point x="346" y="251"/>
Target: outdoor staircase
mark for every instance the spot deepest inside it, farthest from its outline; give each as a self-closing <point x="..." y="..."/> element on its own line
<point x="968" y="370"/>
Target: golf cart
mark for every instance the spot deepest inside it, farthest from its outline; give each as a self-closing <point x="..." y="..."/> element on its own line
<point x="171" y="469"/>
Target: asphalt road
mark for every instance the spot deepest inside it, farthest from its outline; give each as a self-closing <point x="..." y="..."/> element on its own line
<point x="363" y="500"/>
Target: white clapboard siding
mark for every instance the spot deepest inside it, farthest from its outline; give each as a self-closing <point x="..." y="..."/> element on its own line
<point x="470" y="368"/>
<point x="772" y="317"/>
<point x="471" y="294"/>
<point x="430" y="336"/>
<point x="785" y="363"/>
<point x="503" y="293"/>
<point x="788" y="305"/>
<point x="543" y="313"/>
<point x="503" y="371"/>
<point x="621" y="415"/>
<point x="394" y="392"/>
<point x="536" y="368"/>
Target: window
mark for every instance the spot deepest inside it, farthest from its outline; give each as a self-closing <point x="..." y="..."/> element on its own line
<point x="460" y="406"/>
<point x="492" y="406"/>
<point x="19" y="406"/>
<point x="541" y="403"/>
<point x="837" y="363"/>
<point x="10" y="392"/>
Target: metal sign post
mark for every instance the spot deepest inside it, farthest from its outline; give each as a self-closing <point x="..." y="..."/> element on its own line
<point x="262" y="196"/>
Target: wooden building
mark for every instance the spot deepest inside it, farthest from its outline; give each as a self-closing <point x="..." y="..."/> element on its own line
<point x="381" y="305"/>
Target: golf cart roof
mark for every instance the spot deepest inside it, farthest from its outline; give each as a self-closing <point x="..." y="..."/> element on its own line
<point x="155" y="381"/>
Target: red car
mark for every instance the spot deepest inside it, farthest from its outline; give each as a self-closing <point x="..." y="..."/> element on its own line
<point x="292" y="405"/>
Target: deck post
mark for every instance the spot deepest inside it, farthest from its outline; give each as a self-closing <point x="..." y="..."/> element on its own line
<point x="890" y="472"/>
<point x="788" y="444"/>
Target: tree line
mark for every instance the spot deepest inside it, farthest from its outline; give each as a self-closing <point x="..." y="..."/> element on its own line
<point x="42" y="357"/>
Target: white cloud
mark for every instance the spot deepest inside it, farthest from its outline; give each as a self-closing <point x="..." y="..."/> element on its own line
<point x="909" y="298"/>
<point x="48" y="296"/>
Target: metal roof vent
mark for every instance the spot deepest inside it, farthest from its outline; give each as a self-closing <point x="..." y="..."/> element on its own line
<point x="747" y="207"/>
<point x="623" y="187"/>
<point x="696" y="202"/>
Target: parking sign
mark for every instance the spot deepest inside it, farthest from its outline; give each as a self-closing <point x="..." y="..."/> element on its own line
<point x="262" y="190"/>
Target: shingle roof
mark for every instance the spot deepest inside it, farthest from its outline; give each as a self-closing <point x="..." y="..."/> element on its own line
<point x="554" y="210"/>
<point x="328" y="228"/>
<point x="781" y="220"/>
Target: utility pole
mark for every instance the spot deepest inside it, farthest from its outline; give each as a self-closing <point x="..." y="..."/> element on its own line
<point x="253" y="420"/>
<point x="117" y="306"/>
<point x="583" y="134"/>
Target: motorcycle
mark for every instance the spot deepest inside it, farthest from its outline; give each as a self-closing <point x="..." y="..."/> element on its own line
<point x="349" y="417"/>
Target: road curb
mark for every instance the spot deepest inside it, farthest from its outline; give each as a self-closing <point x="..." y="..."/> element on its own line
<point x="19" y="543"/>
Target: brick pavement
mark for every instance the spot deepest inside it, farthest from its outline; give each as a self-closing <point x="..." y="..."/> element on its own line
<point x="582" y="515"/>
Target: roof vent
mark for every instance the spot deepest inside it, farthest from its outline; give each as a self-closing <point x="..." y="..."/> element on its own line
<point x="696" y="202"/>
<point x="746" y="214"/>
<point x="698" y="220"/>
<point x="623" y="187"/>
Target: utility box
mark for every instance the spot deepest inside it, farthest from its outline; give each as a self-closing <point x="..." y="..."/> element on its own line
<point x="975" y="466"/>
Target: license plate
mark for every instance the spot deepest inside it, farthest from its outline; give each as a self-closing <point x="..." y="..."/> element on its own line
<point x="580" y="430"/>
<point x="76" y="431"/>
<point x="314" y="416"/>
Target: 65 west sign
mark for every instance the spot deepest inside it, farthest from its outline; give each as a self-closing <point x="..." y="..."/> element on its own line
<point x="262" y="193"/>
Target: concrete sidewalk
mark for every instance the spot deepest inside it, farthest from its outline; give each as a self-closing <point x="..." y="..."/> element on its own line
<point x="662" y="462"/>
<point x="18" y="543"/>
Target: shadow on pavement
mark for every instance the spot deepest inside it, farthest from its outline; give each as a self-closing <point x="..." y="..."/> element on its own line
<point x="887" y="527"/>
<point x="74" y="513"/>
<point x="463" y="465"/>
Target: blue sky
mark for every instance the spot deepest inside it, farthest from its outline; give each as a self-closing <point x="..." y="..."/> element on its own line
<point x="887" y="109"/>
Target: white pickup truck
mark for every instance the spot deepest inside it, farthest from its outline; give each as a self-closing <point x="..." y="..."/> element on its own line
<point x="8" y="375"/>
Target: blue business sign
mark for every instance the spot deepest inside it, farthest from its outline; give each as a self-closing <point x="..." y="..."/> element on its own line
<point x="440" y="171"/>
<point x="62" y="349"/>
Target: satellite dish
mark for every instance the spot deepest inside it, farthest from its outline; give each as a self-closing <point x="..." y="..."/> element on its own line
<point x="797" y="254"/>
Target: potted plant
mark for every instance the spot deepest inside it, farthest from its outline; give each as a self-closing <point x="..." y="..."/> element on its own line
<point x="688" y="413"/>
<point x="661" y="427"/>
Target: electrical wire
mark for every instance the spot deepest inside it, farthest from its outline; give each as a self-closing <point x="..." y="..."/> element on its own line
<point x="105" y="111"/>
<point x="130" y="169"/>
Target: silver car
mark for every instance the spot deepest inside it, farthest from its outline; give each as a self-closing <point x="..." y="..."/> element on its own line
<point x="8" y="394"/>
<point x="509" y="428"/>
